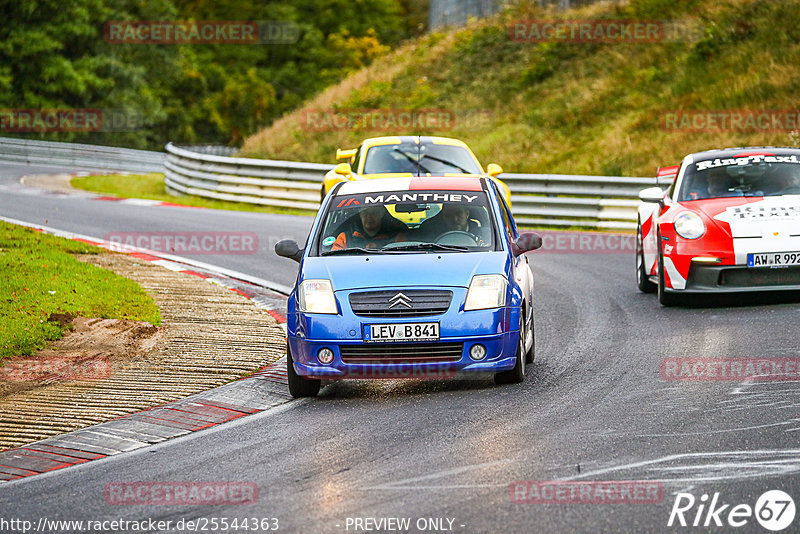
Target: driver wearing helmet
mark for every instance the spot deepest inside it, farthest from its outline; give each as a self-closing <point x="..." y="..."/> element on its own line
<point x="452" y="218"/>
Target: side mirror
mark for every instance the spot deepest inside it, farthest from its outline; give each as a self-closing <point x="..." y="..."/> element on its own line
<point x="342" y="169"/>
<point x="288" y="248"/>
<point x="526" y="242"/>
<point x="493" y="169"/>
<point x="654" y="195"/>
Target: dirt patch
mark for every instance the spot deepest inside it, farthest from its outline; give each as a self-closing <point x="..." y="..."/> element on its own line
<point x="90" y="351"/>
<point x="52" y="182"/>
<point x="105" y="369"/>
<point x="63" y="319"/>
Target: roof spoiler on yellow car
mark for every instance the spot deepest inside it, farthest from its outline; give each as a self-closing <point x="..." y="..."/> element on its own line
<point x="345" y="154"/>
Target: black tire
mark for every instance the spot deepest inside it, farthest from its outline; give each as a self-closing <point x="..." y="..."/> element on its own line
<point x="664" y="297"/>
<point x="517" y="374"/>
<point x="642" y="278"/>
<point x="300" y="386"/>
<point x="530" y="356"/>
<point x="322" y="194"/>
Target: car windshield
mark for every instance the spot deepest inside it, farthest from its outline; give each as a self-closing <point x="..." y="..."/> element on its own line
<point x="748" y="176"/>
<point x="420" y="159"/>
<point x="407" y="221"/>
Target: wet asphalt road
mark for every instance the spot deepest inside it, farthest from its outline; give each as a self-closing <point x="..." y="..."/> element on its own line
<point x="595" y="407"/>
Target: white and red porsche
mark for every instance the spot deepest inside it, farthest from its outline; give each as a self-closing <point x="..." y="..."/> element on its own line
<point x="730" y="222"/>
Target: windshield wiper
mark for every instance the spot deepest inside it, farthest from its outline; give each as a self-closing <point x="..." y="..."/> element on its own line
<point x="353" y="250"/>
<point x="412" y="160"/>
<point x="428" y="246"/>
<point x="440" y="160"/>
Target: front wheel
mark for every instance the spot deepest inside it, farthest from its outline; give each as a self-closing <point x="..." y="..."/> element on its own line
<point x="299" y="386"/>
<point x="642" y="279"/>
<point x="664" y="297"/>
<point x="531" y="354"/>
<point x="517" y="374"/>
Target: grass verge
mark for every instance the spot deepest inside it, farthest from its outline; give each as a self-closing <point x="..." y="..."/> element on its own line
<point x="42" y="278"/>
<point x="151" y="186"/>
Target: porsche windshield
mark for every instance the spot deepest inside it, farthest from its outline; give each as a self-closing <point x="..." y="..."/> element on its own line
<point x="420" y="159"/>
<point x="749" y="176"/>
<point x="408" y="221"/>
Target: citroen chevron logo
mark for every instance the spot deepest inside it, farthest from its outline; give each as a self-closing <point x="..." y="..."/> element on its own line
<point x="398" y="300"/>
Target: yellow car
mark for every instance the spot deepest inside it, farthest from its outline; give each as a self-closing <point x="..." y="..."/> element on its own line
<point x="402" y="156"/>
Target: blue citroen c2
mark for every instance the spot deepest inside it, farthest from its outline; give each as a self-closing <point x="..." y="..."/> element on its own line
<point x="421" y="277"/>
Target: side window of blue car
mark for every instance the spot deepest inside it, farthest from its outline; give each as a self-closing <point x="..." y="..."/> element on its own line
<point x="508" y="221"/>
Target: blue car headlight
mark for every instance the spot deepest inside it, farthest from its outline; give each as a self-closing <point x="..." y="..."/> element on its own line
<point x="316" y="296"/>
<point x="689" y="225"/>
<point x="486" y="291"/>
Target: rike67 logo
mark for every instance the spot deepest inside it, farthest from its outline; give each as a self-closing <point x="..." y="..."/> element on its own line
<point x="774" y="510"/>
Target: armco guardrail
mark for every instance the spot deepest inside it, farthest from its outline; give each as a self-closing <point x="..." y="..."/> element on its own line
<point x="287" y="184"/>
<point x="559" y="200"/>
<point x="570" y="200"/>
<point x="538" y="199"/>
<point x="78" y="155"/>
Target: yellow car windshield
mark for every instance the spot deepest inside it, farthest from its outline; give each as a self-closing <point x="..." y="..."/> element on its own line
<point x="420" y="159"/>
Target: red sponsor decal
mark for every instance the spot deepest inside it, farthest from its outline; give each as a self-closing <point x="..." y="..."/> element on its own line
<point x="452" y="184"/>
<point x="585" y="492"/>
<point x="748" y="154"/>
<point x="348" y="202"/>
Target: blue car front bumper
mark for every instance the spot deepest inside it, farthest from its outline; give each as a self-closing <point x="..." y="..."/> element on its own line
<point x="446" y="358"/>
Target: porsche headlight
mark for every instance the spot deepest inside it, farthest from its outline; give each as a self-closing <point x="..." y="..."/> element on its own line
<point x="689" y="225"/>
<point x="486" y="291"/>
<point x="316" y="296"/>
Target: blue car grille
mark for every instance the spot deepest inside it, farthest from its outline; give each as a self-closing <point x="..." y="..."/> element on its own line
<point x="400" y="302"/>
<point x="401" y="352"/>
